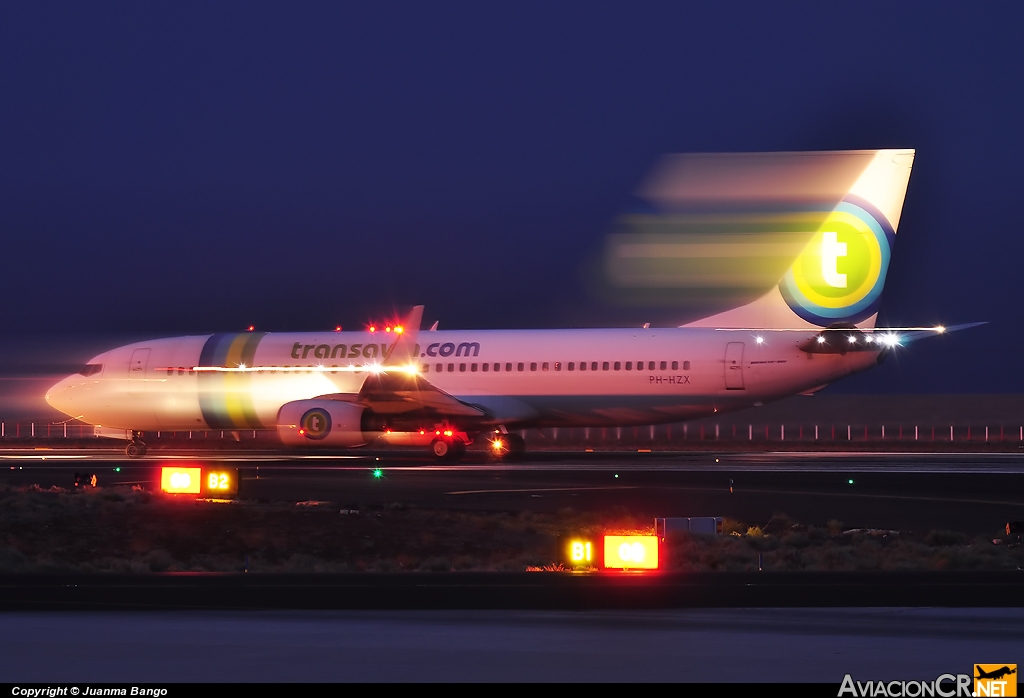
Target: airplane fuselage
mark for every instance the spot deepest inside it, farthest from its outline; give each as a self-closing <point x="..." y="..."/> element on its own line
<point x="516" y="377"/>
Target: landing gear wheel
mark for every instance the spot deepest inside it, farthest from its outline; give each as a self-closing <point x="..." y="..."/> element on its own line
<point x="445" y="450"/>
<point x="508" y="447"/>
<point x="440" y="448"/>
<point x="516" y="447"/>
<point x="136" y="449"/>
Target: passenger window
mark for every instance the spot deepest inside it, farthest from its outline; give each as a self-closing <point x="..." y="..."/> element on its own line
<point x="170" y="372"/>
<point x="650" y="365"/>
<point x="462" y="368"/>
<point x="686" y="365"/>
<point x="572" y="366"/>
<point x="593" y="366"/>
<point x="664" y="365"/>
<point x="639" y="365"/>
<point x="675" y="365"/>
<point x="440" y="367"/>
<point x="558" y="365"/>
<point x="497" y="368"/>
<point x="533" y="366"/>
<point x="486" y="367"/>
<point x="544" y="366"/>
<point x="604" y="366"/>
<point x="583" y="365"/>
<point x="521" y="367"/>
<point x="451" y="368"/>
<point x="472" y="367"/>
<point x="426" y="368"/>
<point x="508" y="367"/>
<point x="629" y="365"/>
<point x="618" y="366"/>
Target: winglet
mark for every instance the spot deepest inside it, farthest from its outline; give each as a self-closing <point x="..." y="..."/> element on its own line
<point x="402" y="351"/>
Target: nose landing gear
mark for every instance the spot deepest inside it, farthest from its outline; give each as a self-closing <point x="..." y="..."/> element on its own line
<point x="136" y="448"/>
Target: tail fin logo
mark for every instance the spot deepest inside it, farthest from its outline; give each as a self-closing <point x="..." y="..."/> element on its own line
<point x="840" y="273"/>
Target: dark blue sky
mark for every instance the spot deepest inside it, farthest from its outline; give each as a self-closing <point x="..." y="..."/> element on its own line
<point x="172" y="168"/>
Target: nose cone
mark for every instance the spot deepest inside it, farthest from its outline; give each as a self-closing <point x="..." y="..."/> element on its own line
<point x="61" y="396"/>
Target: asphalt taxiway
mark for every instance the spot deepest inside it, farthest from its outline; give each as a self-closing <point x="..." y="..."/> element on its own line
<point x="969" y="493"/>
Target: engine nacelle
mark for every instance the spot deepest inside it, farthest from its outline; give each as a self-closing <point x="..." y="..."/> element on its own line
<point x="321" y="423"/>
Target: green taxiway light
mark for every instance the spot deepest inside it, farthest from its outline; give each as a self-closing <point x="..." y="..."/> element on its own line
<point x="850" y="481"/>
<point x="378" y="473"/>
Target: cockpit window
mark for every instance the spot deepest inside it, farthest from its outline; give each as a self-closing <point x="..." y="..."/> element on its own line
<point x="91" y="369"/>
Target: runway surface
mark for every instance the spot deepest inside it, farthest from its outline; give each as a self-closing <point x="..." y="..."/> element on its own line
<point x="970" y="493"/>
<point x="715" y="645"/>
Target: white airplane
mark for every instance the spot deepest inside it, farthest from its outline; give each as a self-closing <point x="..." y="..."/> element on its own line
<point x="443" y="389"/>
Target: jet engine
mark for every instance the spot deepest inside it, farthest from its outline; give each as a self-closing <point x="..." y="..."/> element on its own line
<point x="321" y="423"/>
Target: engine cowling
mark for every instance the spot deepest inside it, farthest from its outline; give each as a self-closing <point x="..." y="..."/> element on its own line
<point x="321" y="423"/>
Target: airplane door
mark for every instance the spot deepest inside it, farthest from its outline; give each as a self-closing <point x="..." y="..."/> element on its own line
<point x="137" y="366"/>
<point x="734" y="366"/>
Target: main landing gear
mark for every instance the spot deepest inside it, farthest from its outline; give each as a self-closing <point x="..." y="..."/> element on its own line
<point x="507" y="447"/>
<point x="447" y="449"/>
<point x="136" y="447"/>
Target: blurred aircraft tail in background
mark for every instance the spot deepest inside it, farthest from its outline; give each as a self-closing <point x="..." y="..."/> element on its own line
<point x="764" y="240"/>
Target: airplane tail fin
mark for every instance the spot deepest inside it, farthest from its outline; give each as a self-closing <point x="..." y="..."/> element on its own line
<point x="849" y="203"/>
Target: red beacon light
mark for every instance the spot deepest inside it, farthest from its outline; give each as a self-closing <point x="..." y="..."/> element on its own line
<point x="252" y="327"/>
<point x="338" y="328"/>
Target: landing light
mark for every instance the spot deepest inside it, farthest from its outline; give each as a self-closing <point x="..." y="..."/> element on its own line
<point x="821" y="340"/>
<point x="399" y="330"/>
<point x="373" y="328"/>
<point x="387" y="329"/>
<point x="497" y="444"/>
<point x="853" y="340"/>
<point x="940" y="329"/>
<point x="760" y="340"/>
